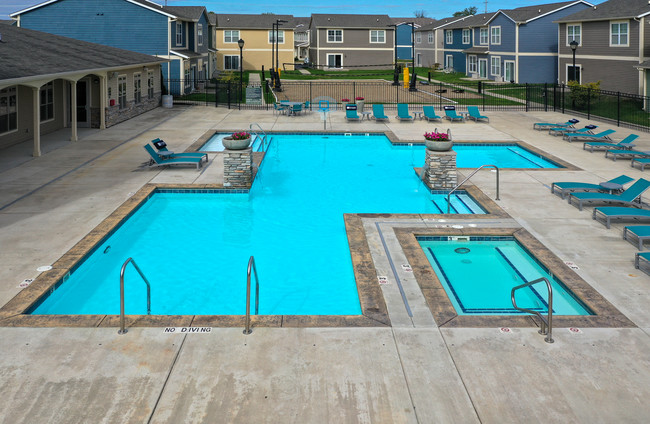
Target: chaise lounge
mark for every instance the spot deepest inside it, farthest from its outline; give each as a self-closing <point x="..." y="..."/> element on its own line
<point x="639" y="232"/>
<point x="539" y="126"/>
<point x="156" y="160"/>
<point x="450" y="113"/>
<point x="430" y="113"/>
<point x="605" y="214"/>
<point x="566" y="187"/>
<point x="629" y="196"/>
<point x="475" y="115"/>
<point x="165" y="153"/>
<point x="403" y="112"/>
<point x="625" y="144"/>
<point x="603" y="135"/>
<point x="378" y="112"/>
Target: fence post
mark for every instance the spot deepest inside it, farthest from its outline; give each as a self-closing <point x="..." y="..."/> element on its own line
<point x="589" y="103"/>
<point x="354" y="91"/>
<point x="228" y="92"/>
<point x="562" y="97"/>
<point x="310" y="95"/>
<point x="482" y="91"/>
<point x="545" y="97"/>
<point x="429" y="77"/>
<point x="216" y="94"/>
<point x="440" y="93"/>
<point x="480" y="87"/>
<point x="263" y="77"/>
<point x="397" y="93"/>
<point x="526" y="91"/>
<point x="618" y="108"/>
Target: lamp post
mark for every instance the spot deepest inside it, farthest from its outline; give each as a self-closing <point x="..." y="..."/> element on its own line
<point x="278" y="22"/>
<point x="396" y="76"/>
<point x="574" y="45"/>
<point x="241" y="70"/>
<point x="412" y="82"/>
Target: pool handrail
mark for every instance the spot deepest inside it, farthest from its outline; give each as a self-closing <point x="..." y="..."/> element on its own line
<point x="465" y="180"/>
<point x="122" y="329"/>
<point x="547" y="324"/>
<point x="257" y="135"/>
<point x="251" y="266"/>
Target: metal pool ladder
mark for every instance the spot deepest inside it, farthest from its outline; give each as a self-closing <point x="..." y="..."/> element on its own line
<point x="547" y="323"/>
<point x="466" y="179"/>
<point x="263" y="138"/>
<point x="122" y="329"/>
<point x="251" y="266"/>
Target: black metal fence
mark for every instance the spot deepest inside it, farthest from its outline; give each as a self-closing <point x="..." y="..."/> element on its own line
<point x="621" y="109"/>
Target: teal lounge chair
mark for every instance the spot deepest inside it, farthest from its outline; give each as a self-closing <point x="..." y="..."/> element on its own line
<point x="165" y="153"/>
<point x="351" y="115"/>
<point x="607" y="213"/>
<point x="603" y="135"/>
<point x="626" y="154"/>
<point x="378" y="112"/>
<point x="639" y="232"/>
<point x="629" y="196"/>
<point x="642" y="162"/>
<point x="430" y="113"/>
<point x="546" y="125"/>
<point x="588" y="129"/>
<point x="641" y="255"/>
<point x="158" y="161"/>
<point x="403" y="112"/>
<point x="450" y="113"/>
<point x="569" y="186"/>
<point x="475" y="115"/>
<point x="626" y="143"/>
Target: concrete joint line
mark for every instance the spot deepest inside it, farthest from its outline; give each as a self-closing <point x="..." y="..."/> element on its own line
<point x="171" y="369"/>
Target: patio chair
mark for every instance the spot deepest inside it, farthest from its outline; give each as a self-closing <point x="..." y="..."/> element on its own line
<point x="430" y="113"/>
<point x="378" y="112"/>
<point x="637" y="260"/>
<point x="629" y="196"/>
<point x="626" y="144"/>
<point x="639" y="232"/>
<point x="165" y="153"/>
<point x="403" y="112"/>
<point x="546" y="125"/>
<point x="351" y="114"/>
<point x="566" y="187"/>
<point x="603" y="135"/>
<point x="475" y="114"/>
<point x="605" y="214"/>
<point x="450" y="113"/>
<point x="626" y="154"/>
<point x="279" y="108"/>
<point x="158" y="161"/>
<point x="588" y="129"/>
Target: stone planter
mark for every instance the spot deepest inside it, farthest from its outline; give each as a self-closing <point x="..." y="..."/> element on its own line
<point x="439" y="146"/>
<point x="360" y="104"/>
<point x="231" y="144"/>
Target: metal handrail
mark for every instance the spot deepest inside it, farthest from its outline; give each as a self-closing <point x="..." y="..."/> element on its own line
<point x="547" y="323"/>
<point x="122" y="329"/>
<point x="465" y="180"/>
<point x="257" y="135"/>
<point x="251" y="265"/>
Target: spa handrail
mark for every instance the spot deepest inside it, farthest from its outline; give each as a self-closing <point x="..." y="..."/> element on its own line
<point x="257" y="135"/>
<point x="122" y="329"/>
<point x="547" y="323"/>
<point x="466" y="179"/>
<point x="251" y="266"/>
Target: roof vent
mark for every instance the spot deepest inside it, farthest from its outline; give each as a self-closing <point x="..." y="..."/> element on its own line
<point x="539" y="10"/>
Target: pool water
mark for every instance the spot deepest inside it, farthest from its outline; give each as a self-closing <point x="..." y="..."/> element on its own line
<point x="194" y="247"/>
<point x="478" y="275"/>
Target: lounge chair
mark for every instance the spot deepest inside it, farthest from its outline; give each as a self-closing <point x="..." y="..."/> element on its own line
<point x="588" y="129"/>
<point x="642" y="162"/>
<point x="430" y="113"/>
<point x="626" y="143"/>
<point x="629" y="196"/>
<point x="641" y="255"/>
<point x="639" y="232"/>
<point x="351" y="115"/>
<point x="546" y="125"/>
<point x="403" y="112"/>
<point x="165" y="153"/>
<point x="607" y="213"/>
<point x="475" y="115"/>
<point x="378" y="112"/>
<point x="450" y="113"/>
<point x="603" y="135"/>
<point x="569" y="186"/>
<point x="626" y="154"/>
<point x="158" y="161"/>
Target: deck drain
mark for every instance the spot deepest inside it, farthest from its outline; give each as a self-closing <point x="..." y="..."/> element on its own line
<point x="462" y="250"/>
<point x="43" y="268"/>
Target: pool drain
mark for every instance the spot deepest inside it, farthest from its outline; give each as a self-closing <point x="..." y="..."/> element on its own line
<point x="462" y="250"/>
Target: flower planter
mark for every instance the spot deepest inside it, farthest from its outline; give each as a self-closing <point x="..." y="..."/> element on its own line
<point x="360" y="104"/>
<point x="439" y="146"/>
<point x="232" y="144"/>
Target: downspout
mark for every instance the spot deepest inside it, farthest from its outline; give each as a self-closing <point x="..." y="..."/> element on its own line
<point x="641" y="54"/>
<point x="169" y="51"/>
<point x="516" y="53"/>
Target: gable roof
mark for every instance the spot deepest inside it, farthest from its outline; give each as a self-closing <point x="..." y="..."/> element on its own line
<point x="350" y="21"/>
<point x="143" y="3"/>
<point x="263" y="21"/>
<point x="301" y="24"/>
<point x="612" y="9"/>
<point x="472" y="21"/>
<point x="439" y="23"/>
<point x="36" y="53"/>
<point x="530" y="13"/>
<point x="189" y="13"/>
<point x="417" y="21"/>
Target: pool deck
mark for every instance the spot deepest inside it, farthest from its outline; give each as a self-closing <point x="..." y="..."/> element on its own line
<point x="415" y="371"/>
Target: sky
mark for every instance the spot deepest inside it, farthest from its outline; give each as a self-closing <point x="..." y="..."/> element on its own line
<point x="436" y="9"/>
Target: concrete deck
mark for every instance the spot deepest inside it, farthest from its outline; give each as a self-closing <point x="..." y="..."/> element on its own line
<point x="412" y="372"/>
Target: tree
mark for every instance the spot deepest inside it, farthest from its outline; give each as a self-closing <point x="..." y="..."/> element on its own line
<point x="420" y="14"/>
<point x="468" y="11"/>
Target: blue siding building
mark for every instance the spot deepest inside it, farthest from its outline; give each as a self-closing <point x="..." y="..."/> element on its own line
<point x="459" y="38"/>
<point x="406" y="30"/>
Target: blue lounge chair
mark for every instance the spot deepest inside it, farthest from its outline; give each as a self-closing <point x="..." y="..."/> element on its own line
<point x="629" y="196"/>
<point x="626" y="154"/>
<point x="430" y="113"/>
<point x="475" y="115"/>
<point x="639" y="232"/>
<point x="601" y="136"/>
<point x="642" y="162"/>
<point x="626" y="143"/>
<point x="165" y="153"/>
<point x="378" y="112"/>
<point x="607" y="213"/>
<point x="546" y="125"/>
<point x="403" y="112"/>
<point x="569" y="186"/>
<point x="588" y="129"/>
<point x="450" y="113"/>
<point x="641" y="255"/>
<point x="351" y="114"/>
<point x="158" y="161"/>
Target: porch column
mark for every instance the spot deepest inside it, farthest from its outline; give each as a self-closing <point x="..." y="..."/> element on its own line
<point x="73" y="111"/>
<point x="36" y="125"/>
<point x="102" y="102"/>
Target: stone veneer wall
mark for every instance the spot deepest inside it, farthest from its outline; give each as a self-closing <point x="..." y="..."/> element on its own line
<point x="115" y="115"/>
<point x="440" y="170"/>
<point x="238" y="168"/>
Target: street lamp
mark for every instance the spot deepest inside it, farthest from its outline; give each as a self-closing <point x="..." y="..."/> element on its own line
<point x="574" y="45"/>
<point x="241" y="70"/>
<point x="278" y="22"/>
<point x="412" y="82"/>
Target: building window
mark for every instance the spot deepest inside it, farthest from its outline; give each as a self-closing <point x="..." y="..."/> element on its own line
<point x="121" y="91"/>
<point x="47" y="102"/>
<point x="334" y="35"/>
<point x="495" y="35"/>
<point x="8" y="110"/>
<point x="280" y="33"/>
<point x="449" y="62"/>
<point x="188" y="80"/>
<point x="418" y="37"/>
<point x="179" y="33"/>
<point x="378" y="36"/>
<point x="573" y="33"/>
<point x="495" y="66"/>
<point x="199" y="34"/>
<point x="449" y="36"/>
<point x="430" y="37"/>
<point x="619" y="34"/>
<point x="334" y="60"/>
<point x="466" y="37"/>
<point x="472" y="66"/>
<point x="231" y="36"/>
<point x="150" y="82"/>
<point x="483" y="37"/>
<point x="137" y="88"/>
<point x="231" y="63"/>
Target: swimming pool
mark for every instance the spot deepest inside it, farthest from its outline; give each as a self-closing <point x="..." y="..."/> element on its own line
<point x="478" y="274"/>
<point x="194" y="246"/>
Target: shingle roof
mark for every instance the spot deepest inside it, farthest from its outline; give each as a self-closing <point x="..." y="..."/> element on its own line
<point x="439" y="23"/>
<point x="612" y="9"/>
<point x="191" y="13"/>
<point x="264" y="21"/>
<point x="212" y="18"/>
<point x="301" y="23"/>
<point x="471" y="21"/>
<point x="526" y="13"/>
<point x="34" y="53"/>
<point x="418" y="21"/>
<point x="350" y="21"/>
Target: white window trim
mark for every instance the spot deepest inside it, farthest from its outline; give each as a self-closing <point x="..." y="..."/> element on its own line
<point x="334" y="29"/>
<point x="491" y="35"/>
<point x="376" y="42"/>
<point x="469" y="36"/>
<point x="137" y="90"/>
<point x="487" y="70"/>
<point x="199" y="34"/>
<point x="272" y="32"/>
<point x="492" y="67"/>
<point x="224" y="62"/>
<point x="17" y="108"/>
<point x="126" y="91"/>
<point x="469" y="63"/>
<point x="327" y="61"/>
<point x="503" y="65"/>
<point x="447" y="60"/>
<point x="418" y="37"/>
<point x="430" y="37"/>
<point x="179" y="33"/>
<point x="231" y="31"/>
<point x="487" y="38"/>
<point x="449" y="36"/>
<point x="579" y="25"/>
<point x="610" y="33"/>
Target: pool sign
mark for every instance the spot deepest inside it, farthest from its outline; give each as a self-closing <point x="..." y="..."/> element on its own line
<point x="188" y="330"/>
<point x="383" y="280"/>
<point x="571" y="265"/>
<point x="25" y="283"/>
<point x="254" y="95"/>
<point x="407" y="268"/>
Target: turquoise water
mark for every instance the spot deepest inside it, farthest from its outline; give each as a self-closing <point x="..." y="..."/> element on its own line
<point x="194" y="247"/>
<point x="478" y="276"/>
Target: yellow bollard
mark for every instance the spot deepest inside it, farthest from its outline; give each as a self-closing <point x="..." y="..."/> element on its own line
<point x="406" y="77"/>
